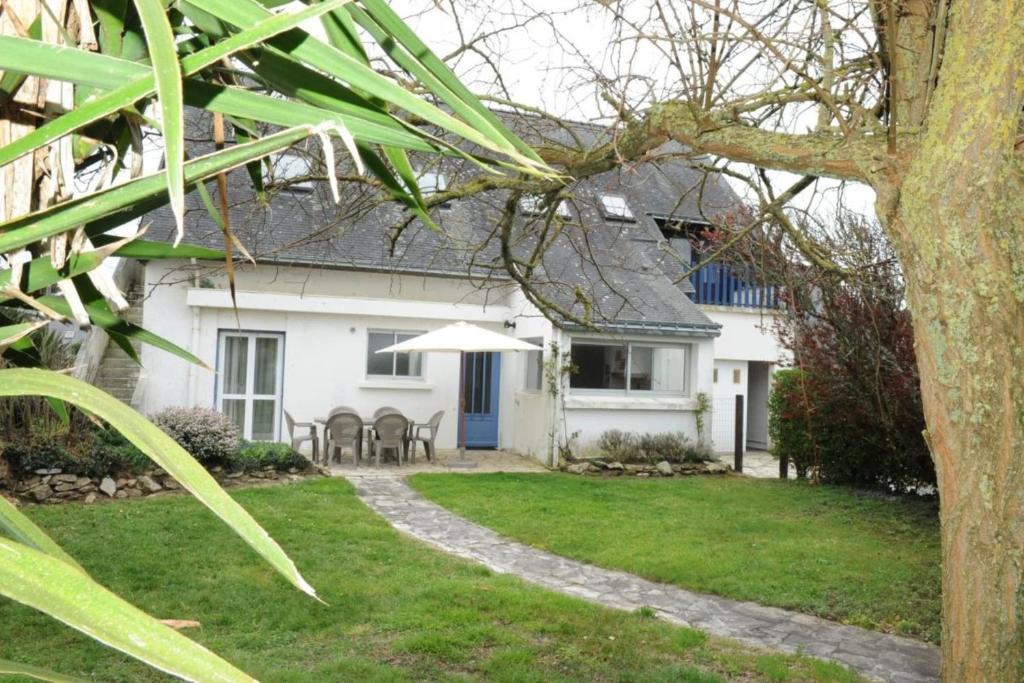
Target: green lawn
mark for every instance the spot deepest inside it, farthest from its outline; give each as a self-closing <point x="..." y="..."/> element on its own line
<point x="823" y="550"/>
<point x="396" y="609"/>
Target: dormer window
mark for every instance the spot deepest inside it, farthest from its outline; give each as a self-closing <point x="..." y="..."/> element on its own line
<point x="431" y="182"/>
<point x="689" y="239"/>
<point x="533" y="205"/>
<point x="290" y="170"/>
<point x="614" y="207"/>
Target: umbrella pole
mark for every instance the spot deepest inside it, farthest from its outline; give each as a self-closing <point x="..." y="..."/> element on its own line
<point x="462" y="405"/>
<point x="462" y="462"/>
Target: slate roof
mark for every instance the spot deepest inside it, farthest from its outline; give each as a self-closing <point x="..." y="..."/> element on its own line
<point x="619" y="274"/>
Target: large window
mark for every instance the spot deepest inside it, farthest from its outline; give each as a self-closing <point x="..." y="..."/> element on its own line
<point x="249" y="388"/>
<point x="391" y="364"/>
<point x="534" y="378"/>
<point x="628" y="367"/>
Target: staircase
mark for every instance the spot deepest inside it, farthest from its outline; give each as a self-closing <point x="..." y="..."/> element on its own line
<point x="118" y="373"/>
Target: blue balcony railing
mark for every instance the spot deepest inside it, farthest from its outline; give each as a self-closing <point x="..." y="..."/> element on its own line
<point x="722" y="284"/>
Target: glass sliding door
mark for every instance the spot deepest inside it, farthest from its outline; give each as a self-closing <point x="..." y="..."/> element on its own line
<point x="250" y="366"/>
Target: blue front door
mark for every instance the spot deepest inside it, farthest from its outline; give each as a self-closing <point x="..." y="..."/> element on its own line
<point x="480" y="386"/>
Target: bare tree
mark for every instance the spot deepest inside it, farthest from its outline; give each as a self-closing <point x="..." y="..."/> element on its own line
<point x="919" y="100"/>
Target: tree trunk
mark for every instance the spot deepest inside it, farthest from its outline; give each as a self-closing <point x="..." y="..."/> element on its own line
<point x="956" y="214"/>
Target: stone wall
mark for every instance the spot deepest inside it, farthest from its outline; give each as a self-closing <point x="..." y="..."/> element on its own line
<point x="596" y="466"/>
<point x="54" y="486"/>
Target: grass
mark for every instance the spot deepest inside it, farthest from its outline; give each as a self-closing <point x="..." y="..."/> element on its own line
<point x="828" y="551"/>
<point x="396" y="610"/>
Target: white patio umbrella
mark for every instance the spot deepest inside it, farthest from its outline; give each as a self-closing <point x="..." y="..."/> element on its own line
<point x="460" y="338"/>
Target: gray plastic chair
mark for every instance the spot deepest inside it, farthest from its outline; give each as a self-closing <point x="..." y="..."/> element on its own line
<point x="432" y="425"/>
<point x="391" y="432"/>
<point x="344" y="430"/>
<point x="342" y="409"/>
<point x="297" y="441"/>
<point x="385" y="410"/>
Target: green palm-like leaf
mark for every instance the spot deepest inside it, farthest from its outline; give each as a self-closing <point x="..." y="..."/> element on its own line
<point x="22" y="529"/>
<point x="66" y="593"/>
<point x="16" y="669"/>
<point x="161" y="449"/>
<point x="167" y="73"/>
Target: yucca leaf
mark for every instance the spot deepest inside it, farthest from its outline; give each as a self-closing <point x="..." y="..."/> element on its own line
<point x="395" y="29"/>
<point x="16" y="669"/>
<point x="170" y="95"/>
<point x="101" y="316"/>
<point x="23" y="530"/>
<point x="41" y="59"/>
<point x="145" y="85"/>
<point x="149" y="250"/>
<point x="67" y="594"/>
<point x="119" y="200"/>
<point x="161" y="449"/>
<point x="302" y="46"/>
<point x="61" y="409"/>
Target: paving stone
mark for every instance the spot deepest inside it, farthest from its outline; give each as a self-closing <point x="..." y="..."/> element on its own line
<point x="877" y="656"/>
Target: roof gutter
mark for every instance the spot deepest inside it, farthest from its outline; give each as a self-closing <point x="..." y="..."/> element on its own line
<point x="653" y="328"/>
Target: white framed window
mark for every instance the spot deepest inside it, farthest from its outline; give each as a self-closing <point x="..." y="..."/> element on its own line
<point x="533" y="378"/>
<point x="391" y="364"/>
<point x="614" y="206"/>
<point x="629" y="367"/>
<point x="533" y="205"/>
<point x="250" y="373"/>
<point x="290" y="169"/>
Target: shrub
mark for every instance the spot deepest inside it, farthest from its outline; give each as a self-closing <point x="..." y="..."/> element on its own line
<point x="209" y="436"/>
<point x="674" y="447"/>
<point x="256" y="455"/>
<point x="111" y="453"/>
<point x="620" y="446"/>
<point x="789" y="421"/>
<point x="26" y="457"/>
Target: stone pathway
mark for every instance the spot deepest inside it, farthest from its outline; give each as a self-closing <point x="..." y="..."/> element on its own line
<point x="877" y="656"/>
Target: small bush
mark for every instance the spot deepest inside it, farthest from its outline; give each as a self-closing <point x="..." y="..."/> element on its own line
<point x="111" y="453"/>
<point x="620" y="446"/>
<point x="674" y="447"/>
<point x="256" y="455"/>
<point x="630" y="447"/>
<point x="209" y="436"/>
<point x="44" y="454"/>
<point x="789" y="420"/>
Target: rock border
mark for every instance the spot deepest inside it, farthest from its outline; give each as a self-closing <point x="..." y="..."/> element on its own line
<point x="613" y="468"/>
<point x="53" y="486"/>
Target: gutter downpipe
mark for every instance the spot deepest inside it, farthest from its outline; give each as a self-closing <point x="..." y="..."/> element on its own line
<point x="192" y="369"/>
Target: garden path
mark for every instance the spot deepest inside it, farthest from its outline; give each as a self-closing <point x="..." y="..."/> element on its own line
<point x="878" y="656"/>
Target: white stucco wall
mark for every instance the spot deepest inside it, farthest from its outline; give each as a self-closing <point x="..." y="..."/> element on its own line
<point x="325" y="316"/>
<point x="529" y="425"/>
<point x="747" y="334"/>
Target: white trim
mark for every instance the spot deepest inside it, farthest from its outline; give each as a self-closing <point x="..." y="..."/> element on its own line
<point x="333" y="305"/>
<point x="379" y="382"/>
<point x="631" y="402"/>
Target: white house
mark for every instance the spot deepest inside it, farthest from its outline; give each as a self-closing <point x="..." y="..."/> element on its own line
<point x="331" y="288"/>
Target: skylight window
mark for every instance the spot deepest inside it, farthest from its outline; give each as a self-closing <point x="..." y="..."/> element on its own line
<point x="291" y="170"/>
<point x="533" y="205"/>
<point x="432" y="182"/>
<point x="614" y="206"/>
